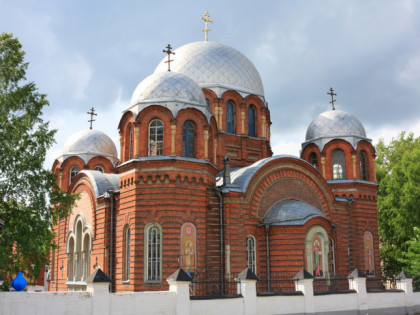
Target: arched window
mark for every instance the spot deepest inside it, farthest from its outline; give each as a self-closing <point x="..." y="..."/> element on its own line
<point x="332" y="256"/>
<point x="156" y="138"/>
<point x="251" y="261"/>
<point x="130" y="143"/>
<point x="86" y="256"/>
<point x="363" y="165"/>
<point x="126" y="253"/>
<point x="153" y="253"/>
<point x="99" y="168"/>
<point x="73" y="172"/>
<point x="339" y="166"/>
<point x="313" y="159"/>
<point x="230" y="117"/>
<point x="70" y="257"/>
<point x="79" y="251"/>
<point x="251" y="121"/>
<point x="188" y="139"/>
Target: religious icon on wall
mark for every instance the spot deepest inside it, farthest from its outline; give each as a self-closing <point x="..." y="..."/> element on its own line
<point x="188" y="248"/>
<point x="317" y="256"/>
<point x="368" y="249"/>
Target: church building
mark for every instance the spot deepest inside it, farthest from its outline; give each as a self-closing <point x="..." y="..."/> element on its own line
<point x="196" y="185"/>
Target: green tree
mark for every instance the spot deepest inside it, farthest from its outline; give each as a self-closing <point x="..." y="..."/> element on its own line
<point x="30" y="200"/>
<point x="398" y="174"/>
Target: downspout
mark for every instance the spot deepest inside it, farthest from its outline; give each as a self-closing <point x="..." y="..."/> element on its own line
<point x="349" y="202"/>
<point x="267" y="229"/>
<point x="111" y="249"/>
<point x="218" y="191"/>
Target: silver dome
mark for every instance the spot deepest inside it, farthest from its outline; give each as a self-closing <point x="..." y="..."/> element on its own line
<point x="335" y="124"/>
<point x="169" y="89"/>
<point x="87" y="144"/>
<point x="217" y="67"/>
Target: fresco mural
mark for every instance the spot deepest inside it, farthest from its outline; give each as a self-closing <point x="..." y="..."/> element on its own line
<point x="368" y="250"/>
<point x="188" y="248"/>
<point x="317" y="256"/>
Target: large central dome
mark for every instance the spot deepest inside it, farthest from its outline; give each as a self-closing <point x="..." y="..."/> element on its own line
<point x="214" y="65"/>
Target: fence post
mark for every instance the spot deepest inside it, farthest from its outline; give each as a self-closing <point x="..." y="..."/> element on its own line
<point x="357" y="282"/>
<point x="248" y="284"/>
<point x="405" y="283"/>
<point x="179" y="282"/>
<point x="98" y="283"/>
<point x="304" y="283"/>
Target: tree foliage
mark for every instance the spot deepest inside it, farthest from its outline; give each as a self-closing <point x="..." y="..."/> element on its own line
<point x="398" y="174"/>
<point x="30" y="200"/>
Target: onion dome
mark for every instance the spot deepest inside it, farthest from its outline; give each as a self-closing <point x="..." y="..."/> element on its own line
<point x="217" y="67"/>
<point x="172" y="90"/>
<point x="87" y="144"/>
<point x="335" y="124"/>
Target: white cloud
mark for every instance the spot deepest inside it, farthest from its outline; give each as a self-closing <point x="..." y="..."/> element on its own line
<point x="410" y="73"/>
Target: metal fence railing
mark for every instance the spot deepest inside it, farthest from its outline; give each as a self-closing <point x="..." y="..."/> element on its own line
<point x="278" y="282"/>
<point x="380" y="284"/>
<point x="211" y="286"/>
<point x="333" y="283"/>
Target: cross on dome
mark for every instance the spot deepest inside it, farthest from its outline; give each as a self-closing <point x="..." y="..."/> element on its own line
<point x="332" y="97"/>
<point x="91" y="113"/>
<point x="206" y="18"/>
<point x="169" y="52"/>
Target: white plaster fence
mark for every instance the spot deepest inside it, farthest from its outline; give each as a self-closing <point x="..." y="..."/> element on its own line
<point x="98" y="301"/>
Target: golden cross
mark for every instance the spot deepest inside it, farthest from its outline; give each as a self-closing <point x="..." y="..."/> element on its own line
<point x="206" y="18"/>
<point x="169" y="52"/>
<point x="332" y="97"/>
<point x="91" y="113"/>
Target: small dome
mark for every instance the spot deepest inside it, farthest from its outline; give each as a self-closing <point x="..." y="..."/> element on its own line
<point x="169" y="89"/>
<point x="216" y="66"/>
<point x="291" y="212"/>
<point x="335" y="123"/>
<point x="89" y="143"/>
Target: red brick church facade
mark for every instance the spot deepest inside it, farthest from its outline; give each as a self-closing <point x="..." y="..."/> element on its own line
<point x="196" y="185"/>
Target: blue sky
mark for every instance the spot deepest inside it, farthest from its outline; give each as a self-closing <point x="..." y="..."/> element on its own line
<point x="94" y="53"/>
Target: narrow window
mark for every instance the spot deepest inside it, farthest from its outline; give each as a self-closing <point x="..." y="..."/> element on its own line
<point x="188" y="139"/>
<point x="126" y="254"/>
<point x="70" y="260"/>
<point x="251" y="254"/>
<point x="86" y="257"/>
<point x="313" y="159"/>
<point x="153" y="255"/>
<point x="332" y="257"/>
<point x="363" y="165"/>
<point x="130" y="144"/>
<point x="73" y="172"/>
<point x="339" y="167"/>
<point x="208" y="102"/>
<point x="230" y="117"/>
<point x="78" y="253"/>
<point x="251" y="121"/>
<point x="156" y="138"/>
